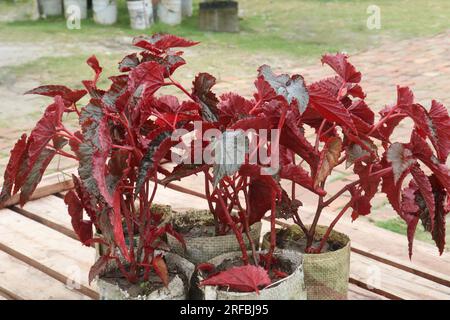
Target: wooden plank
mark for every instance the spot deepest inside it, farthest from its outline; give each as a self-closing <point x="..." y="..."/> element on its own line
<point x="389" y="279"/>
<point x="47" y="250"/>
<point x="358" y="293"/>
<point x="38" y="285"/>
<point x="50" y="184"/>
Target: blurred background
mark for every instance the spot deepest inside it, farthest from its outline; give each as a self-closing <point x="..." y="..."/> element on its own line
<point x="404" y="42"/>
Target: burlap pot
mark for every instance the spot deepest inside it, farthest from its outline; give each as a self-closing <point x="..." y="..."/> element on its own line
<point x="289" y="288"/>
<point x="176" y="290"/>
<point x="326" y="274"/>
<point x="202" y="249"/>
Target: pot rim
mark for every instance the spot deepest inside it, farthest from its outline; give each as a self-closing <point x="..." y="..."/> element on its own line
<point x="320" y="230"/>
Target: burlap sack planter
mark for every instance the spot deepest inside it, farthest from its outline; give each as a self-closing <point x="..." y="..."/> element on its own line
<point x="289" y="288"/>
<point x="202" y="249"/>
<point x="326" y="274"/>
<point x="177" y="289"/>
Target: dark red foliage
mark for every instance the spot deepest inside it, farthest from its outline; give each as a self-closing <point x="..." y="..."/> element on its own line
<point x="126" y="132"/>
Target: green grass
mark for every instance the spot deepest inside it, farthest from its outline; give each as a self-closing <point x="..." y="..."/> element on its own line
<point x="397" y="225"/>
<point x="293" y="27"/>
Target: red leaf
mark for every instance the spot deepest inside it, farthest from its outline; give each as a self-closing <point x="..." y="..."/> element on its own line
<point x="12" y="168"/>
<point x="162" y="42"/>
<point x="247" y="278"/>
<point x="93" y="63"/>
<point x="425" y="189"/>
<point x="34" y="174"/>
<point x="43" y="132"/>
<point x="161" y="269"/>
<point x="265" y="91"/>
<point x="116" y="221"/>
<point x="69" y="95"/>
<point x="202" y="92"/>
<point x="99" y="160"/>
<point x="260" y="197"/>
<point x="329" y="107"/>
<point x="294" y="139"/>
<point x="439" y="230"/>
<point x="82" y="228"/>
<point x="147" y="74"/>
<point x="98" y="267"/>
<point x="409" y="213"/>
<point x="342" y="67"/>
<point x="129" y="62"/>
<point x="440" y="130"/>
<point x="300" y="176"/>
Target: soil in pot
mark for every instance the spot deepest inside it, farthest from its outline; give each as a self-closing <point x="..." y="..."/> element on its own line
<point x="113" y="286"/>
<point x="327" y="273"/>
<point x="290" y="287"/>
<point x="202" y="243"/>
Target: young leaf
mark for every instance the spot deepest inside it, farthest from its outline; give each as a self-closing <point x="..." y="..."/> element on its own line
<point x="161" y="269"/>
<point x="329" y="157"/>
<point x="247" y="278"/>
<point x="291" y="88"/>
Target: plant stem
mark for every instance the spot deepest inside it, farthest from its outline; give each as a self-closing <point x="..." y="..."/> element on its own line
<point x="330" y="228"/>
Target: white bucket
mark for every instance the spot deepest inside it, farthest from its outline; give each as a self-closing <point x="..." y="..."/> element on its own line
<point x="141" y="14"/>
<point x="105" y="11"/>
<point x="51" y="8"/>
<point x="71" y="5"/>
<point x="169" y="11"/>
<point x="186" y="8"/>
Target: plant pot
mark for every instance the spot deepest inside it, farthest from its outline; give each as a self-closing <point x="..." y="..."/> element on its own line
<point x="326" y="274"/>
<point x="202" y="249"/>
<point x="105" y="11"/>
<point x="80" y="5"/>
<point x="51" y="8"/>
<point x="141" y="14"/>
<point x="186" y="8"/>
<point x="219" y="16"/>
<point x="290" y="288"/>
<point x="169" y="11"/>
<point x="177" y="288"/>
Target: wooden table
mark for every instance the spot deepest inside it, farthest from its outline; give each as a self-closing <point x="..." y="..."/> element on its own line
<point x="41" y="258"/>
